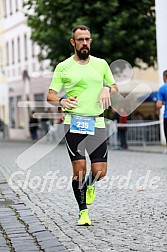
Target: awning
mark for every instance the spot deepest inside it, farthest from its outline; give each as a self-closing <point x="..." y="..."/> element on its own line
<point x="152" y="97"/>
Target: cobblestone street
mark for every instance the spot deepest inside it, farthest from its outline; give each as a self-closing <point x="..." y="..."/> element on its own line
<point x="129" y="212"/>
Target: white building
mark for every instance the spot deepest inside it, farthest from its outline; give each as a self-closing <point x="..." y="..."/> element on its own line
<point x="18" y="57"/>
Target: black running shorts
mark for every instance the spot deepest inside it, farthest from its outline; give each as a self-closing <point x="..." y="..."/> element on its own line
<point x="95" y="145"/>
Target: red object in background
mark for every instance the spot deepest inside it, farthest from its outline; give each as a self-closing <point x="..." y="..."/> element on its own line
<point x="123" y="118"/>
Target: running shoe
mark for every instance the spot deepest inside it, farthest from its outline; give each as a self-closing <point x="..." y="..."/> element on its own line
<point x="90" y="194"/>
<point x="84" y="219"/>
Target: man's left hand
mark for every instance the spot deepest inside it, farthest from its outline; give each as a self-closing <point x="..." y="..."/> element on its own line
<point x="104" y="98"/>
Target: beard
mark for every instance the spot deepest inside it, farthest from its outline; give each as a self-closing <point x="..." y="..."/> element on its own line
<point x="83" y="55"/>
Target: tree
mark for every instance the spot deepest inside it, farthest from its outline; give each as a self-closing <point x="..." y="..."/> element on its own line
<point x="121" y="29"/>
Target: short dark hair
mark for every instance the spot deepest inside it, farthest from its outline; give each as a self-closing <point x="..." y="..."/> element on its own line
<point x="165" y="73"/>
<point x="81" y="27"/>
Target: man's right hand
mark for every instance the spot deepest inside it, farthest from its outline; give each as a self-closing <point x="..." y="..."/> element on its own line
<point x="69" y="103"/>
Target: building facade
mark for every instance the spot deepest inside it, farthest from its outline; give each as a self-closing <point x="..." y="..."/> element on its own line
<point x="22" y="76"/>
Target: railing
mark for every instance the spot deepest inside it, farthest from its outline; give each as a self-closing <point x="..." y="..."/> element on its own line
<point x="143" y="132"/>
<point x="138" y="132"/>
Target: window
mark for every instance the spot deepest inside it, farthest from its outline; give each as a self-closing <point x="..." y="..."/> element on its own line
<point x="10" y="7"/>
<point x="21" y="3"/>
<point x="1" y="58"/>
<point x="11" y="112"/>
<point x="39" y="98"/>
<point x="3" y="113"/>
<point x="33" y="67"/>
<point x="19" y="112"/>
<point x="13" y="53"/>
<point x="4" y="8"/>
<point x="7" y="54"/>
<point x="25" y="46"/>
<point x="16" y="1"/>
<point x="19" y="70"/>
<point x="18" y="48"/>
<point x="33" y="49"/>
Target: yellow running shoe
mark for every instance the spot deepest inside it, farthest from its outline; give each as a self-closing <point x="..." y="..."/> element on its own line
<point x="90" y="194"/>
<point x="84" y="219"/>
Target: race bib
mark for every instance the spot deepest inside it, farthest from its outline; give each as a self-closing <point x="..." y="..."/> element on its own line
<point x="82" y="124"/>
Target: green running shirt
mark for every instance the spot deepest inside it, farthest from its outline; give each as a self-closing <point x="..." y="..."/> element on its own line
<point x="84" y="81"/>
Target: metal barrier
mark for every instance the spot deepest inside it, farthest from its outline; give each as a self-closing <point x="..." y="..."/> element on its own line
<point x="138" y="132"/>
<point x="143" y="132"/>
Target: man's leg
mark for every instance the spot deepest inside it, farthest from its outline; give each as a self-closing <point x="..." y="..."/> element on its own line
<point x="79" y="188"/>
<point x="124" y="144"/>
<point x="99" y="170"/>
<point x="97" y="149"/>
<point x="121" y="138"/>
<point x="79" y="170"/>
<point x="165" y="128"/>
<point x="78" y="182"/>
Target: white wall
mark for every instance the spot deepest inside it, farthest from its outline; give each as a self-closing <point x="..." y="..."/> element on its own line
<point x="4" y="103"/>
<point x="3" y="85"/>
<point x="13" y="25"/>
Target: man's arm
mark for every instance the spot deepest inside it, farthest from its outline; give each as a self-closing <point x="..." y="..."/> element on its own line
<point x="109" y="88"/>
<point x="159" y="104"/>
<point x="52" y="97"/>
<point x="114" y="89"/>
<point x="160" y="98"/>
<point x="105" y="95"/>
<point x="55" y="100"/>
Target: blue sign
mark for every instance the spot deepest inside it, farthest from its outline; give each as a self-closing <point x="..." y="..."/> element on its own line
<point x="82" y="124"/>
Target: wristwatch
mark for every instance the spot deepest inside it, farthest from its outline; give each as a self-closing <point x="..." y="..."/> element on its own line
<point x="60" y="100"/>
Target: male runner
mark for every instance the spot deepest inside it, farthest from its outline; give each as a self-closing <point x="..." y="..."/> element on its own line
<point x="162" y="100"/>
<point x="87" y="82"/>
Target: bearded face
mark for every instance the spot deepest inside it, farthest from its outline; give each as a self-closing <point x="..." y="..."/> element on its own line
<point x="83" y="52"/>
<point x="81" y="42"/>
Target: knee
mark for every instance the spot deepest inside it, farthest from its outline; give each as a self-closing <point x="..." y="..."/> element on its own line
<point x="79" y="171"/>
<point x="79" y="175"/>
<point x="99" y="170"/>
<point x="100" y="174"/>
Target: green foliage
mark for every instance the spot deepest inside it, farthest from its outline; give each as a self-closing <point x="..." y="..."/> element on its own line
<point x="121" y="29"/>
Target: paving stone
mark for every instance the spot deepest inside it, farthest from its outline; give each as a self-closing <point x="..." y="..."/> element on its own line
<point x="36" y="228"/>
<point x="20" y="235"/>
<point x="4" y="249"/>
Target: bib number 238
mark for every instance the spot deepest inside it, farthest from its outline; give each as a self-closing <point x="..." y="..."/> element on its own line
<point x="82" y="124"/>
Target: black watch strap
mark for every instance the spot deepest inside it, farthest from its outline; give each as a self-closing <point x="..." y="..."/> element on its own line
<point x="60" y="100"/>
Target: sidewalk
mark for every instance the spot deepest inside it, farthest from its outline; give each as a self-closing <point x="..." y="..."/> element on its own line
<point x="140" y="148"/>
<point x="151" y="149"/>
<point x="20" y="229"/>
